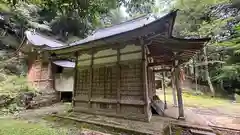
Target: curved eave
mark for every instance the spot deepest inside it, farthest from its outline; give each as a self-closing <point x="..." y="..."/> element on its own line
<point x="38" y="40"/>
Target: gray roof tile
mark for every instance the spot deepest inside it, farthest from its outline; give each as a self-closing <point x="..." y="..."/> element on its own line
<point x="38" y="39"/>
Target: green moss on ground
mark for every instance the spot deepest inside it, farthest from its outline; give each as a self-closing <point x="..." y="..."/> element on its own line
<point x="21" y="127"/>
<point x="83" y="126"/>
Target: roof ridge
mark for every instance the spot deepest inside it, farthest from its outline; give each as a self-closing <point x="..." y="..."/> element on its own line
<point x="128" y="21"/>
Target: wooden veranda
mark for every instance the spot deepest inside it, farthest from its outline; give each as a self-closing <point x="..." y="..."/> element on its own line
<point x="167" y="56"/>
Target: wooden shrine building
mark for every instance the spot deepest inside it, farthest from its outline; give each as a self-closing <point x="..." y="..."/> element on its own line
<point x="47" y="73"/>
<point x="114" y="72"/>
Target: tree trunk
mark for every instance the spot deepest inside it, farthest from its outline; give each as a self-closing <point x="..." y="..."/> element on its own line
<point x="207" y="72"/>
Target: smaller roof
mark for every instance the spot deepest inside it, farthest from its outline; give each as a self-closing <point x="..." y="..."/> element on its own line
<point x="65" y="63"/>
<point x="38" y="39"/>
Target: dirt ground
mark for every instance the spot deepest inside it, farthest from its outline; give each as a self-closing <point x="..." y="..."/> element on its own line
<point x="214" y="111"/>
<point x="217" y="116"/>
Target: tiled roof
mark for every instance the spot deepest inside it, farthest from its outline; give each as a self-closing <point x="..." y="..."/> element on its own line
<point x="38" y="39"/>
<point x="116" y="29"/>
<point x="65" y="63"/>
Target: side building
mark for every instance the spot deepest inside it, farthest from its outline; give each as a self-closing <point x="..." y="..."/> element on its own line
<point x="48" y="73"/>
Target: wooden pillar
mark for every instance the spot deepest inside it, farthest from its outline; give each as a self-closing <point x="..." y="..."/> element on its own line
<point x="75" y="78"/>
<point x="50" y="75"/>
<point x="179" y="90"/>
<point x="40" y="76"/>
<point x="90" y="79"/>
<point x="147" y="111"/>
<point x="164" y="90"/>
<point x="60" y="96"/>
<point x="150" y="84"/>
<point x="195" y="73"/>
<point x="118" y="81"/>
<point x="154" y="83"/>
<point x="173" y="89"/>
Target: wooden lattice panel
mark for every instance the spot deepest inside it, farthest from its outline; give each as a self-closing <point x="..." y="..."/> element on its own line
<point x="132" y="109"/>
<point x="110" y="82"/>
<point x="131" y="85"/>
<point x="104" y="82"/>
<point x="82" y="83"/>
<point x="104" y="106"/>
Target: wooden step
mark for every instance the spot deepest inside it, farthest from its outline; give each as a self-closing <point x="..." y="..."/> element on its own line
<point x="201" y="132"/>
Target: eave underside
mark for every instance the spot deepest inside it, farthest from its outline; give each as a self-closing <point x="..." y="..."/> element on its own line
<point x="164" y="52"/>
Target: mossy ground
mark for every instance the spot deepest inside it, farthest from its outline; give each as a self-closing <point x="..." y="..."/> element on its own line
<point x="22" y="127"/>
<point x="82" y="126"/>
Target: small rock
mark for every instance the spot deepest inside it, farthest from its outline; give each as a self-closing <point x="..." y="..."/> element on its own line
<point x="55" y="112"/>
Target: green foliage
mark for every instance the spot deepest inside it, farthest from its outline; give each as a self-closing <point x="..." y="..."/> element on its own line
<point x="66" y="18"/>
<point x="193" y="18"/>
<point x="14" y="84"/>
<point x="231" y="70"/>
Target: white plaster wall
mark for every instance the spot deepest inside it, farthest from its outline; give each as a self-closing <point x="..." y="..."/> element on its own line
<point x="132" y="56"/>
<point x="130" y="48"/>
<point x="105" y="52"/>
<point x="84" y="56"/>
<point x="64" y="81"/>
<point x="112" y="59"/>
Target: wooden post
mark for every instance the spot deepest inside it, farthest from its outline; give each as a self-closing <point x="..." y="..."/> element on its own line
<point x="90" y="79"/>
<point x="195" y="74"/>
<point x="179" y="90"/>
<point x="60" y="95"/>
<point x="50" y="75"/>
<point x="173" y="89"/>
<point x="164" y="90"/>
<point x="75" y="78"/>
<point x="144" y="82"/>
<point x="40" y="76"/>
<point x="118" y="81"/>
<point x="154" y="83"/>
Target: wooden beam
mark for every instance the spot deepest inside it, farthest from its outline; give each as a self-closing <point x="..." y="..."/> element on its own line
<point x="169" y="63"/>
<point x="162" y="70"/>
<point x="75" y="78"/>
